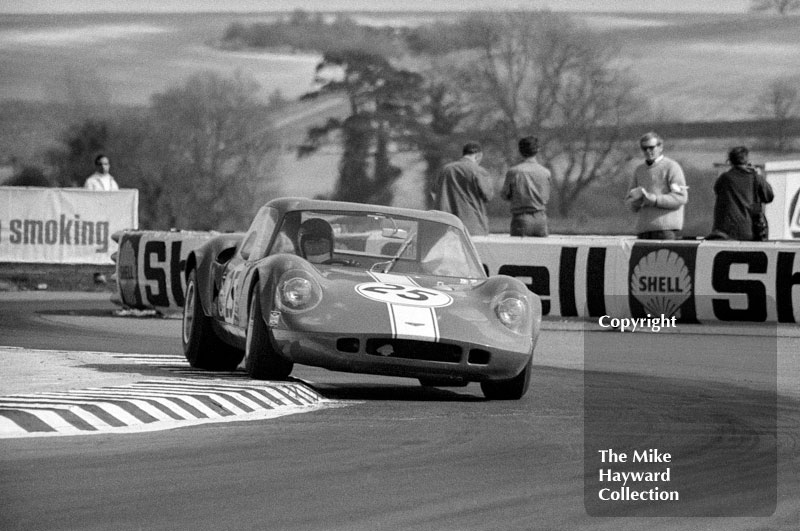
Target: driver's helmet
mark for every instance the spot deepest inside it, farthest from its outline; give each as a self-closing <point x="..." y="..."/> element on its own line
<point x="315" y="240"/>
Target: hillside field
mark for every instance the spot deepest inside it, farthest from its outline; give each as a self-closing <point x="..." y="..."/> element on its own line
<point x="690" y="67"/>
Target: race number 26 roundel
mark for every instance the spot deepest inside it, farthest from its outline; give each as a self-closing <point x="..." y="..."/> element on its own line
<point x="404" y="295"/>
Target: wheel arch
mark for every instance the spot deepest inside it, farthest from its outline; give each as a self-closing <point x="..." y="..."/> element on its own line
<point x="255" y="283"/>
<point x="191" y="263"/>
<point x="196" y="263"/>
<point x="201" y="259"/>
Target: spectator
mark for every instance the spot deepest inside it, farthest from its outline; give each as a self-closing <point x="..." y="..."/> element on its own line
<point x="101" y="180"/>
<point x="527" y="186"/>
<point x="657" y="193"/>
<point x="463" y="188"/>
<point x="737" y="190"/>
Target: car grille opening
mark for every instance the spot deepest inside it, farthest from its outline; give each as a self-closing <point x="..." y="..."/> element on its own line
<point x="348" y="344"/>
<point x="414" y="350"/>
<point x="478" y="356"/>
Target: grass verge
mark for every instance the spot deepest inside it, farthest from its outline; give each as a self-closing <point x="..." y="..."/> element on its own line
<point x="55" y="277"/>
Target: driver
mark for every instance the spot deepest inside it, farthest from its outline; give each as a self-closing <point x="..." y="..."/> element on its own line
<point x="315" y="240"/>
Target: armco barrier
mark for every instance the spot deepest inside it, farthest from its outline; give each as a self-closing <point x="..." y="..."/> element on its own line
<point x="150" y="266"/>
<point x="575" y="276"/>
<point x="697" y="281"/>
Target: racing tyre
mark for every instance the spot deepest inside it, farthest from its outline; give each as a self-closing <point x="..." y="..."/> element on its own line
<point x="201" y="346"/>
<point x="260" y="358"/>
<point x="512" y="389"/>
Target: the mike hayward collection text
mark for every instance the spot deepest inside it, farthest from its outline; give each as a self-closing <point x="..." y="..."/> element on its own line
<point x="621" y="491"/>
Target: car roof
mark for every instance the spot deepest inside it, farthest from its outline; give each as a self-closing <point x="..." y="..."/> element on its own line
<point x="289" y="204"/>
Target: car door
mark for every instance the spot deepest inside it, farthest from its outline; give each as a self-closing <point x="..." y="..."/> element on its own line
<point x="229" y="281"/>
<point x="242" y="273"/>
<point x="227" y="284"/>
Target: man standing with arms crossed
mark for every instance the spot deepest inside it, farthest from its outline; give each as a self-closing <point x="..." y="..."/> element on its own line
<point x="657" y="193"/>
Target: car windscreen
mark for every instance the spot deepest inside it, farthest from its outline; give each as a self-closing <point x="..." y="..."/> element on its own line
<point x="379" y="241"/>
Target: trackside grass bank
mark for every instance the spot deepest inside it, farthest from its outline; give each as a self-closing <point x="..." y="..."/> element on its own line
<point x="56" y="277"/>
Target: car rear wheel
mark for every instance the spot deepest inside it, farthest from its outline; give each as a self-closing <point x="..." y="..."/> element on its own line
<point x="260" y="358"/>
<point x="512" y="389"/>
<point x="201" y="346"/>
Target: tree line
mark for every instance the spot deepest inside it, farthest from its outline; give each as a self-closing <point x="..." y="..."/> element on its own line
<point x="494" y="79"/>
<point x="203" y="153"/>
<point x="199" y="153"/>
<point x="511" y="75"/>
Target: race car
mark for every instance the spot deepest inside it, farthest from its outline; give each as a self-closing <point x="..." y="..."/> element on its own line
<point x="358" y="288"/>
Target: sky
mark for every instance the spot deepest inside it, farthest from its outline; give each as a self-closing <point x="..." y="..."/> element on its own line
<point x="154" y="6"/>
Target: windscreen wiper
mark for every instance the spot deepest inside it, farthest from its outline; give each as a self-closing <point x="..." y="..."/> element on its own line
<point x="390" y="264"/>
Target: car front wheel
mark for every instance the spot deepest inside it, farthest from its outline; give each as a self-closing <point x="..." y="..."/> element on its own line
<point x="201" y="346"/>
<point x="260" y="358"/>
<point x="512" y="389"/>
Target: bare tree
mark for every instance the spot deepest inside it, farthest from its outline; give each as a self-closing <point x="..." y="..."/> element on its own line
<point x="782" y="7"/>
<point x="542" y="72"/>
<point x="72" y="160"/>
<point x="212" y="145"/>
<point x="780" y="102"/>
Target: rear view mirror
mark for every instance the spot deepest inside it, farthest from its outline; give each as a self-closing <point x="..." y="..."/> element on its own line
<point x="394" y="233"/>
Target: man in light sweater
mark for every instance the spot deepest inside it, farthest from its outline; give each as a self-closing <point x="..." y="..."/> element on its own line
<point x="657" y="193"/>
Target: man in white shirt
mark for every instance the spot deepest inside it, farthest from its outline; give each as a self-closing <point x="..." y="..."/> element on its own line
<point x="101" y="180"/>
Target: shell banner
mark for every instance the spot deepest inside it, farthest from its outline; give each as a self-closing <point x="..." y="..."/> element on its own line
<point x="573" y="276"/>
<point x="694" y="281"/>
<point x="661" y="280"/>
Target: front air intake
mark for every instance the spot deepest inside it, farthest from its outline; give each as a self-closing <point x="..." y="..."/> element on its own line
<point x="478" y="356"/>
<point x="348" y="344"/>
<point x="414" y="350"/>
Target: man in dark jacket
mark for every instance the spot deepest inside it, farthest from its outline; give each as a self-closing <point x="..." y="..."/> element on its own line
<point x="463" y="188"/>
<point x="736" y="191"/>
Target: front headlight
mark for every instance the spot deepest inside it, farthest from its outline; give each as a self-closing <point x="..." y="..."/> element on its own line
<point x="297" y="292"/>
<point x="512" y="311"/>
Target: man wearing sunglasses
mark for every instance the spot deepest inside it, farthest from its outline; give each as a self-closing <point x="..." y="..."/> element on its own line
<point x="657" y="193"/>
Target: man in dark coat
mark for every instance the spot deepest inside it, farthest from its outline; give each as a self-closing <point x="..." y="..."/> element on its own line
<point x="735" y="191"/>
<point x="463" y="188"/>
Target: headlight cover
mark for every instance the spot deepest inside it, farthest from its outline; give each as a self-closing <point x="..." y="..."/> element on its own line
<point x="512" y="310"/>
<point x="297" y="292"/>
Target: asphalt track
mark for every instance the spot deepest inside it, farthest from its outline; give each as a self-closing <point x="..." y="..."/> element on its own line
<point x="388" y="454"/>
